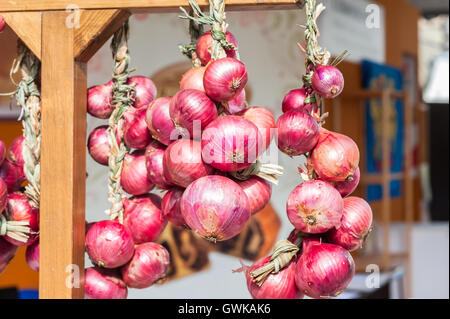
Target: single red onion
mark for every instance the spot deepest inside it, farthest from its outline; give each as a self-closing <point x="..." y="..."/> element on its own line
<point x="18" y="209"/>
<point x="297" y="133"/>
<point x="295" y="100"/>
<point x="192" y="109"/>
<point x="335" y="157"/>
<point x="193" y="79"/>
<point x="231" y="143"/>
<point x="258" y="192"/>
<point x="32" y="255"/>
<point x="135" y="179"/>
<point x="145" y="91"/>
<point x="159" y="122"/>
<point x="170" y="206"/>
<point x="15" y="151"/>
<point x="327" y="81"/>
<point x="100" y="283"/>
<point x="315" y="207"/>
<point x="215" y="207"/>
<point x="3" y="195"/>
<point x="12" y="175"/>
<point x="237" y="104"/>
<point x="2" y="151"/>
<point x="224" y="79"/>
<point x="347" y="187"/>
<point x="135" y="131"/>
<point x="98" y="145"/>
<point x="264" y="121"/>
<point x="356" y="223"/>
<point x="149" y="264"/>
<point x="2" y="24"/>
<point x="109" y="244"/>
<point x="100" y="100"/>
<point x="205" y="46"/>
<point x="7" y="253"/>
<point x="324" y="270"/>
<point x="183" y="164"/>
<point x="143" y="217"/>
<point x="154" y="155"/>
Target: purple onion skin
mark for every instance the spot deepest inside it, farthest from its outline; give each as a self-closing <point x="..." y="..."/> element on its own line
<point x="2" y="151"/>
<point x="145" y="91"/>
<point x="315" y="207"/>
<point x="170" y="206"/>
<point x="134" y="177"/>
<point x="297" y="133"/>
<point x="7" y="253"/>
<point x="347" y="187"/>
<point x="12" y="175"/>
<point x="159" y="122"/>
<point x="324" y="270"/>
<point x="136" y="133"/>
<point x="32" y="256"/>
<point x="215" y="207"/>
<point x="99" y="100"/>
<point x="101" y="283"/>
<point x="328" y="81"/>
<point x="295" y="101"/>
<point x="98" y="145"/>
<point x="154" y="156"/>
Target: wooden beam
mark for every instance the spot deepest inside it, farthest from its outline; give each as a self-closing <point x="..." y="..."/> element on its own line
<point x="27" y="26"/>
<point x="141" y="5"/>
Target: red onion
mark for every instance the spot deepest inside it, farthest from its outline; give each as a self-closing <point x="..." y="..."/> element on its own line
<point x="100" y="100"/>
<point x="215" y="207"/>
<point x="315" y="207"/>
<point x="100" y="283"/>
<point x="2" y="151"/>
<point x="12" y="175"/>
<point x="237" y="104"/>
<point x="15" y="151"/>
<point x="193" y="79"/>
<point x="7" y="253"/>
<point x="183" y="164"/>
<point x="149" y="264"/>
<point x="18" y="208"/>
<point x="135" y="131"/>
<point x="347" y="187"/>
<point x="143" y="217"/>
<point x="356" y="223"/>
<point x="32" y="255"/>
<point x="295" y="100"/>
<point x="158" y="120"/>
<point x="297" y="133"/>
<point x="135" y="177"/>
<point x="109" y="244"/>
<point x="324" y="270"/>
<point x="224" y="79"/>
<point x="277" y="286"/>
<point x="205" y="46"/>
<point x="231" y="143"/>
<point x="3" y="195"/>
<point x="154" y="155"/>
<point x="258" y="192"/>
<point x="190" y="106"/>
<point x="295" y="235"/>
<point x="335" y="157"/>
<point x="2" y="24"/>
<point x="170" y="206"/>
<point x="98" y="145"/>
<point x="264" y="121"/>
<point x="145" y="91"/>
<point x="328" y="81"/>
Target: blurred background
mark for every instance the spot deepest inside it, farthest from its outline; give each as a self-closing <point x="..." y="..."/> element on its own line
<point x="397" y="45"/>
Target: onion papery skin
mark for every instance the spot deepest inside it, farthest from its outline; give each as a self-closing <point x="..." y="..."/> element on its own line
<point x="231" y="143"/>
<point x="297" y="133"/>
<point x="18" y="208"/>
<point x="7" y="253"/>
<point x="15" y="151"/>
<point x="224" y="79"/>
<point x="295" y="101"/>
<point x="144" y="218"/>
<point x="135" y="177"/>
<point x="237" y="104"/>
<point x="324" y="270"/>
<point x="183" y="164"/>
<point x="149" y="264"/>
<point x="154" y="155"/>
<point x="327" y="81"/>
<point x="258" y="192"/>
<point x="98" y="145"/>
<point x="356" y="223"/>
<point x="135" y="131"/>
<point x="2" y="151"/>
<point x="205" y="46"/>
<point x="3" y="195"/>
<point x="109" y="244"/>
<point x="100" y="100"/>
<point x="335" y="157"/>
<point x="347" y="187"/>
<point x="277" y="286"/>
<point x="193" y="79"/>
<point x="12" y="175"/>
<point x="170" y="206"/>
<point x="145" y="91"/>
<point x="315" y="207"/>
<point x="215" y="207"/>
<point x="264" y="121"/>
<point x="189" y="108"/>
<point x="100" y="283"/>
<point x="32" y="255"/>
<point x="159" y="122"/>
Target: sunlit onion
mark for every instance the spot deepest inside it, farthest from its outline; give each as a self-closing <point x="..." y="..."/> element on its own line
<point x="100" y="100"/>
<point x="145" y="91"/>
<point x="98" y="145"/>
<point x="100" y="283"/>
<point x="295" y="100"/>
<point x="264" y="121"/>
<point x="154" y="158"/>
<point x="170" y="206"/>
<point x="135" y="131"/>
<point x="159" y="122"/>
<point x="193" y="79"/>
<point x="328" y="81"/>
<point x="205" y="45"/>
<point x="258" y="192"/>
<point x="135" y="178"/>
<point x="347" y="187"/>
